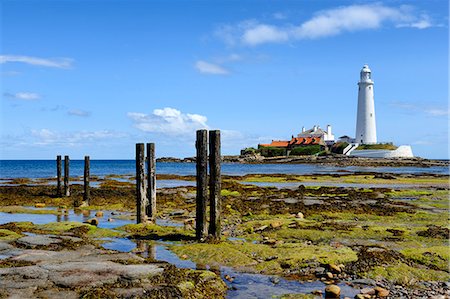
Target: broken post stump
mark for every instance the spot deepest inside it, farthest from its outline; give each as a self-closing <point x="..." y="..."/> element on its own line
<point x="66" y="176"/>
<point x="87" y="192"/>
<point x="151" y="182"/>
<point x="58" y="176"/>
<point x="214" y="184"/>
<point x="140" y="184"/>
<point x="201" y="145"/>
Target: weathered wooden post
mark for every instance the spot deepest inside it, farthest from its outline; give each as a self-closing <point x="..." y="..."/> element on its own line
<point x="58" y="176"/>
<point x="87" y="192"/>
<point x="66" y="176"/>
<point x="140" y="183"/>
<point x="201" y="145"/>
<point x="151" y="182"/>
<point x="214" y="184"/>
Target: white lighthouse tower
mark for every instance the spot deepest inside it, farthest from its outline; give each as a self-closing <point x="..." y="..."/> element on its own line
<point x="366" y="132"/>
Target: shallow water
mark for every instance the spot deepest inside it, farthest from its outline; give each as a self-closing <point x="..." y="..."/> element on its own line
<point x="244" y="285"/>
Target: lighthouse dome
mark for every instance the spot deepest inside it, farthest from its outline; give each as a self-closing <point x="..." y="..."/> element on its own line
<point x="366" y="69"/>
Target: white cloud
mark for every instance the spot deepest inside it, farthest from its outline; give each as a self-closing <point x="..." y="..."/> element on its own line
<point x="77" y="112"/>
<point x="25" y="96"/>
<point x="437" y="111"/>
<point x="47" y="62"/>
<point x="49" y="137"/>
<point x="210" y="68"/>
<point x="324" y="24"/>
<point x="168" y="121"/>
<point x="433" y="110"/>
<point x="261" y="33"/>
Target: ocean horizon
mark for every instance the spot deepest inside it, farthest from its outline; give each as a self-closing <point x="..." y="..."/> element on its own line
<point x="99" y="167"/>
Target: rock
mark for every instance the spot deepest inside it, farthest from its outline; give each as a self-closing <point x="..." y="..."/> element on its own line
<point x="190" y="221"/>
<point x="39" y="205"/>
<point x="329" y="275"/>
<point x="38" y="240"/>
<point x="299" y="215"/>
<point x="93" y="221"/>
<point x="179" y="212"/>
<point x="368" y="291"/>
<point x="270" y="242"/>
<point x="332" y="291"/>
<point x="86" y="213"/>
<point x="359" y="296"/>
<point x="110" y="220"/>
<point x="276" y="224"/>
<point x="319" y="271"/>
<point x="115" y="213"/>
<point x="334" y="268"/>
<point x="275" y="280"/>
<point x="261" y="228"/>
<point x="317" y="292"/>
<point x="380" y="292"/>
<point x="229" y="278"/>
<point x="99" y="214"/>
<point x="184" y="257"/>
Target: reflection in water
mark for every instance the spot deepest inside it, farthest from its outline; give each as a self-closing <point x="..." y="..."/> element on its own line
<point x="243" y="285"/>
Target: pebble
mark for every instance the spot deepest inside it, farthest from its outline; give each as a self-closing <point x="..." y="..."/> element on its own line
<point x="299" y="215"/>
<point x="275" y="280"/>
<point x="275" y="224"/>
<point x="381" y="292"/>
<point x="332" y="291"/>
<point x="99" y="214"/>
<point x="110" y="220"/>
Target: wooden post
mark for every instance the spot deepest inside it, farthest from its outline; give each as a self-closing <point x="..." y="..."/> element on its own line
<point x="151" y="182"/>
<point x="58" y="176"/>
<point x="140" y="183"/>
<point x="214" y="184"/>
<point x="87" y="192"/>
<point x="66" y="176"/>
<point x="202" y="177"/>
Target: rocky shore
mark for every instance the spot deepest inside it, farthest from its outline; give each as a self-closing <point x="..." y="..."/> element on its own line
<point x="332" y="160"/>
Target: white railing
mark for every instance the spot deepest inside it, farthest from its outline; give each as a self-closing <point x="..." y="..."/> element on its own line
<point x="350" y="148"/>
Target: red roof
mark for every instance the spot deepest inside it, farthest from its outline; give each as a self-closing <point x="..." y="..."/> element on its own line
<point x="293" y="141"/>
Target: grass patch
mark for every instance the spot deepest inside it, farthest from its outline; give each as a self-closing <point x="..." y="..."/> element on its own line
<point x="226" y="192"/>
<point x="7" y="235"/>
<point x="25" y="210"/>
<point x="407" y="275"/>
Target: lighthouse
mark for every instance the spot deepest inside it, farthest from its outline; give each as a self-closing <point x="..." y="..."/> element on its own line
<point x="366" y="132"/>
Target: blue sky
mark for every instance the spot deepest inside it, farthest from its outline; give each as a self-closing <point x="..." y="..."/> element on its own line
<point x="95" y="77"/>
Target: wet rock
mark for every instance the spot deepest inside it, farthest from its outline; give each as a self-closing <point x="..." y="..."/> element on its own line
<point x="261" y="228"/>
<point x="276" y="224"/>
<point x="299" y="215"/>
<point x="229" y="278"/>
<point x="381" y="292"/>
<point x="317" y="292"/>
<point x="86" y="213"/>
<point x="39" y="205"/>
<point x="110" y="220"/>
<point x="99" y="214"/>
<point x="179" y="212"/>
<point x="275" y="280"/>
<point x="38" y="240"/>
<point x="270" y="242"/>
<point x="55" y="293"/>
<point x="93" y="221"/>
<point x="115" y="213"/>
<point x="332" y="291"/>
<point x="334" y="268"/>
<point x="367" y="291"/>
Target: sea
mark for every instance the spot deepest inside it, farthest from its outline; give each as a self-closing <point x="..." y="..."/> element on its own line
<point x="47" y="168"/>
